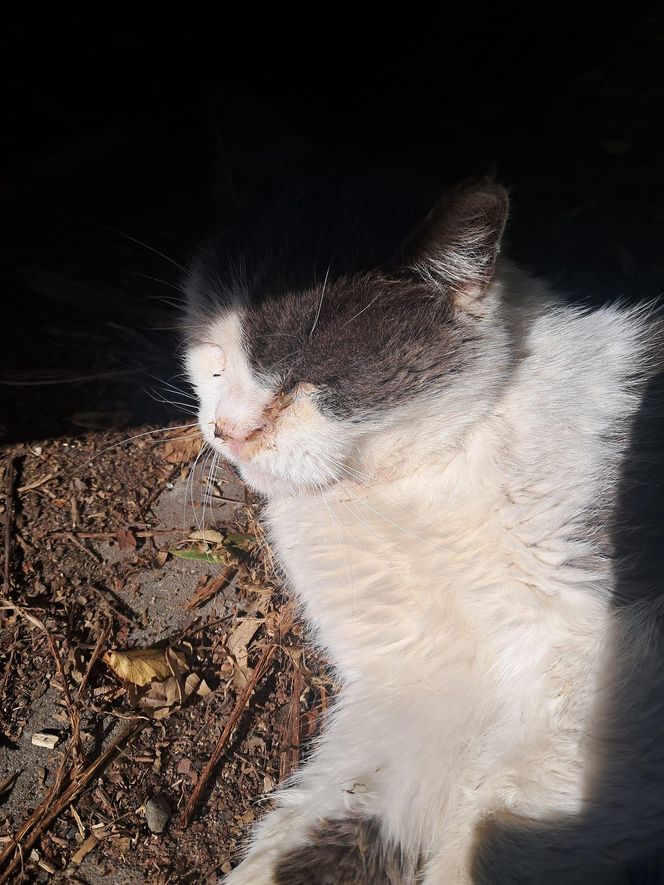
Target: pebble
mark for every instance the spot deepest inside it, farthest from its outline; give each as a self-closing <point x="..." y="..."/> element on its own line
<point x="157" y="814"/>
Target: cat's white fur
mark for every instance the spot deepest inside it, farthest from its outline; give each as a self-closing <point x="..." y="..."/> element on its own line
<point x="448" y="570"/>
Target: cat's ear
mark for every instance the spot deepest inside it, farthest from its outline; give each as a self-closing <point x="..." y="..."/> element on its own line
<point x="457" y="245"/>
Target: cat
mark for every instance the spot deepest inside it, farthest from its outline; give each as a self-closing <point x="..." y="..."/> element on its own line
<point x="443" y="444"/>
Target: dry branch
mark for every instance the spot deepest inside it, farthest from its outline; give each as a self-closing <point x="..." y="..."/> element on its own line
<point x="55" y="803"/>
<point x="260" y="670"/>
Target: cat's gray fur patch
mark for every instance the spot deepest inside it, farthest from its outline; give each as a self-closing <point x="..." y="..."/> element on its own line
<point x="345" y="852"/>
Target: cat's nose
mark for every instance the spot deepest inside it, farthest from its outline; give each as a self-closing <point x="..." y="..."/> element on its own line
<point x="228" y="430"/>
<point x="233" y="434"/>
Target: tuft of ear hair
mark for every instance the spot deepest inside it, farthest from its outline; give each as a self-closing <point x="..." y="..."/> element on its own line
<point x="456" y="247"/>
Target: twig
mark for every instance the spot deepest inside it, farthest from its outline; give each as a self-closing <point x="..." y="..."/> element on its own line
<point x="72" y="712"/>
<point x="8" y="668"/>
<point x="111" y="536"/>
<point x="33" y="821"/>
<point x="70" y="536"/>
<point x="52" y="806"/>
<point x="23" y="611"/>
<point x="94" y="657"/>
<point x="10" y="477"/>
<point x="209" y="590"/>
<point x="291" y="756"/>
<point x="35" y="484"/>
<point x="260" y="670"/>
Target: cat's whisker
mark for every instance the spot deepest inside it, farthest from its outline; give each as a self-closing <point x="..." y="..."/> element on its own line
<point x="186" y="407"/>
<point x="130" y="439"/>
<point x="165" y="300"/>
<point x="152" y="249"/>
<point x="208" y="469"/>
<point x="161" y="442"/>
<point x="147" y="276"/>
<point x="204" y="472"/>
<point x="373" y="301"/>
<point x="189" y="488"/>
<point x="171" y="388"/>
<point x="208" y="501"/>
<point x="167" y="382"/>
<point x="320" y="303"/>
<point x="285" y="358"/>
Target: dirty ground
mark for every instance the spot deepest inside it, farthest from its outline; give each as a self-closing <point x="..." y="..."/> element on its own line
<point x="90" y="523"/>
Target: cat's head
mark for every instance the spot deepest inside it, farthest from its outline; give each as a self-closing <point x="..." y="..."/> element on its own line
<point x="354" y="372"/>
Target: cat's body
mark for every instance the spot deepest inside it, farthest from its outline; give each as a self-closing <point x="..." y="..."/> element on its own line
<point x="451" y="544"/>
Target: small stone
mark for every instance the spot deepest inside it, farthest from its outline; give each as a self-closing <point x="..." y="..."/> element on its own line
<point x="157" y="814"/>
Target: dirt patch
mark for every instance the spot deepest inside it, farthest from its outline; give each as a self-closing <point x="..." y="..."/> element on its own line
<point x="91" y="523"/>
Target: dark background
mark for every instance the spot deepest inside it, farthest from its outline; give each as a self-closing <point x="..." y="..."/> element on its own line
<point x="115" y="131"/>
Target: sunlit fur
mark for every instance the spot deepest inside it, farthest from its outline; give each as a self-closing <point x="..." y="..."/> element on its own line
<point x="450" y="559"/>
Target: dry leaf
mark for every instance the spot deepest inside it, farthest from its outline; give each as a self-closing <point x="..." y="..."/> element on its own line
<point x="7" y="784"/>
<point x="161" y="699"/>
<point x="140" y="666"/>
<point x="209" y="535"/>
<point x="160" y="558"/>
<point x="185" y="768"/>
<point x="159" y="679"/>
<point x="203" y="689"/>
<point x="237" y="644"/>
<point x="182" y="447"/>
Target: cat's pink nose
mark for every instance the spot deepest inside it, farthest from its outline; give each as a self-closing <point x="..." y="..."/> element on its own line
<point x="234" y="435"/>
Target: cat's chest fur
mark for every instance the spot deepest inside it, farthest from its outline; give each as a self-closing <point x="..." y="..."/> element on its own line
<point x="402" y="580"/>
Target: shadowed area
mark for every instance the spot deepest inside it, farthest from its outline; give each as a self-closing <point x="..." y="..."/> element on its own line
<point x="618" y="839"/>
<point x="138" y="140"/>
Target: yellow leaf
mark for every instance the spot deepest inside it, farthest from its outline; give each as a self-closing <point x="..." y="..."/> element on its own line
<point x="141" y="666"/>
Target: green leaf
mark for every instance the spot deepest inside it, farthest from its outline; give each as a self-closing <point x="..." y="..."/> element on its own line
<point x="197" y="554"/>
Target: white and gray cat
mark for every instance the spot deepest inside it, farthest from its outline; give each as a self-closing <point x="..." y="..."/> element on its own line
<point x="443" y="444"/>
